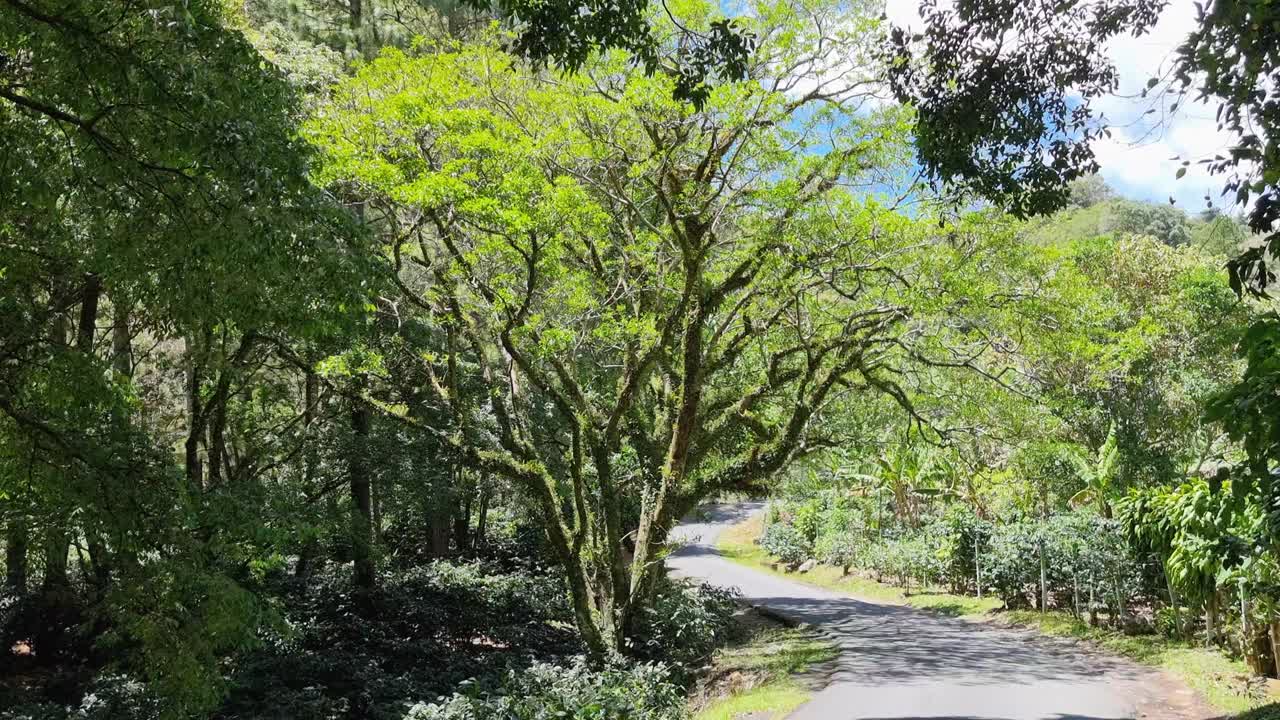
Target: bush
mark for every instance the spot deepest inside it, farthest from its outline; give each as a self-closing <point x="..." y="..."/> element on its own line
<point x="961" y="532"/>
<point x="684" y="625"/>
<point x="424" y="630"/>
<point x="841" y="550"/>
<point x="577" y="692"/>
<point x="1083" y="553"/>
<point x="807" y="518"/>
<point x="108" y="697"/>
<point x="786" y="543"/>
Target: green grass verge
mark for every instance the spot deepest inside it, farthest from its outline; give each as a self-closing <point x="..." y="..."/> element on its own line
<point x="1219" y="679"/>
<point x="738" y="544"/>
<point x="758" y="674"/>
<point x="1266" y="712"/>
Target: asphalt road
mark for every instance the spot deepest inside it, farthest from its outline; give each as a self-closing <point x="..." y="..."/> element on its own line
<point x="897" y="663"/>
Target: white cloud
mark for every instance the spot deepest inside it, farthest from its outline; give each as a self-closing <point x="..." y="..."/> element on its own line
<point x="1138" y="158"/>
<point x="1143" y="156"/>
<point x="904" y="13"/>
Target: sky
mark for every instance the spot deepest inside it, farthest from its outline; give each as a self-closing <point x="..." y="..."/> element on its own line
<point x="1137" y="161"/>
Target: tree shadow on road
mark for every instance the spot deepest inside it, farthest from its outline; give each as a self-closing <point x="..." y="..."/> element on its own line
<point x="893" y="644"/>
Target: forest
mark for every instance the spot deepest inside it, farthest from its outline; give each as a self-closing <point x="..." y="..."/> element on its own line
<point x="371" y="358"/>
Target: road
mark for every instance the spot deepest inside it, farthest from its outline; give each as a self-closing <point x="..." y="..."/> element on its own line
<point x="897" y="663"/>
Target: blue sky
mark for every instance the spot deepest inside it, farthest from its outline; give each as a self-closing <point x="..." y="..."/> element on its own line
<point x="1137" y="160"/>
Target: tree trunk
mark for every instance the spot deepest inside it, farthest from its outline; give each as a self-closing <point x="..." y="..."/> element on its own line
<point x="1173" y="603"/>
<point x="195" y="424"/>
<point x="599" y="644"/>
<point x="310" y="401"/>
<point x="57" y="541"/>
<point x="1249" y="645"/>
<point x="1120" y="608"/>
<point x="377" y="489"/>
<point x="462" y="523"/>
<point x="15" y="545"/>
<point x="1093" y="603"/>
<point x="482" y="521"/>
<point x="99" y="559"/>
<point x="121" y="339"/>
<point x="1075" y="595"/>
<point x="439" y="531"/>
<point x="89" y="298"/>
<point x="1211" y="619"/>
<point x="362" y="506"/>
<point x="1274" y="635"/>
<point x="1252" y="643"/>
<point x="977" y="563"/>
<point x="57" y="544"/>
<point x="86" y="328"/>
<point x="217" y="447"/>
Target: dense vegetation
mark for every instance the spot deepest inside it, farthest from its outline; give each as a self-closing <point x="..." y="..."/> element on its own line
<point x="355" y="362"/>
<point x="1106" y="487"/>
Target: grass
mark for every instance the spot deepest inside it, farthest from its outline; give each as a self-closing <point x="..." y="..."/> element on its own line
<point x="1266" y="712"/>
<point x="1218" y="678"/>
<point x="738" y="544"/>
<point x="758" y="676"/>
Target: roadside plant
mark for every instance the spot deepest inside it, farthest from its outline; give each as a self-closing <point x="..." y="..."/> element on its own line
<point x="842" y="550"/>
<point x="785" y="542"/>
<point x="617" y="691"/>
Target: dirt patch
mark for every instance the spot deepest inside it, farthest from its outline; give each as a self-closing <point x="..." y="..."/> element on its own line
<point x="1167" y="698"/>
<point x="1160" y="694"/>
<point x="720" y="683"/>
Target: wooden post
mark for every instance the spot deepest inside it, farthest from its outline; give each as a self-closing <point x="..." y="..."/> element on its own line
<point x="1044" y="581"/>
<point x="1075" y="594"/>
<point x="977" y="562"/>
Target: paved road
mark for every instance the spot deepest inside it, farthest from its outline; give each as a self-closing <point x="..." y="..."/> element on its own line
<point x="901" y="664"/>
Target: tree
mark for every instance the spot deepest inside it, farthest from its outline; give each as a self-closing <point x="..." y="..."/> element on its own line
<point x="1162" y="222"/>
<point x="158" y="180"/>
<point x="1090" y="190"/>
<point x="1012" y="120"/>
<point x="1189" y="527"/>
<point x="569" y="32"/>
<point x="1247" y="411"/>
<point x="662" y="301"/>
<point x="1153" y="337"/>
<point x="1015" y="120"/>
<point x="358" y="29"/>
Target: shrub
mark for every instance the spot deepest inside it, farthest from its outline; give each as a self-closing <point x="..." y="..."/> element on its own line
<point x="961" y="532"/>
<point x="684" y="625"/>
<point x="786" y="543"/>
<point x="424" y="630"/>
<point x="841" y="550"/>
<point x="842" y="516"/>
<point x="576" y="692"/>
<point x="808" y="516"/>
<point x="1085" y="556"/>
<point x="108" y="697"/>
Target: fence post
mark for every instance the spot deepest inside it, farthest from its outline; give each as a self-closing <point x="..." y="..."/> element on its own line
<point x="1044" y="581"/>
<point x="977" y="561"/>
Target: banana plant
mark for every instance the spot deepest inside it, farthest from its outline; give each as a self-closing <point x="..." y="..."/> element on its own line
<point x="913" y="473"/>
<point x="1099" y="477"/>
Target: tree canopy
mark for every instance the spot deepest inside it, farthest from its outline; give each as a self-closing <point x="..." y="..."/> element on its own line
<point x="359" y="357"/>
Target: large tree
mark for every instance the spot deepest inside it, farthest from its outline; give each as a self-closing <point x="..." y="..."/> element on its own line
<point x="662" y="301"/>
<point x="159" y="243"/>
<point x="1005" y="93"/>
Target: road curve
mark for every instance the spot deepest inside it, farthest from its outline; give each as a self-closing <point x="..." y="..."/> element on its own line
<point x="897" y="663"/>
